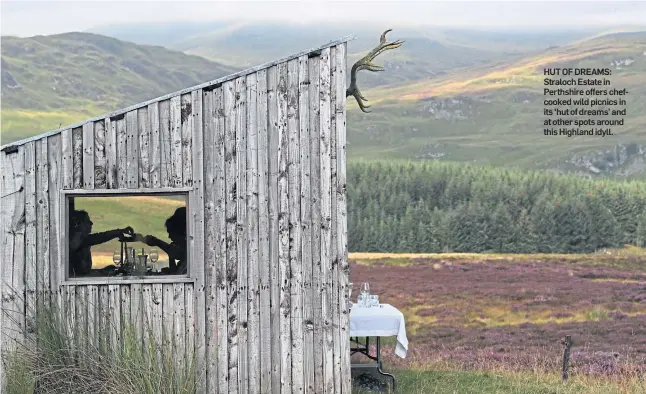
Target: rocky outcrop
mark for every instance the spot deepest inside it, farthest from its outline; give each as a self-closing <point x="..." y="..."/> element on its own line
<point x="451" y="109"/>
<point x="622" y="159"/>
<point x="621" y="63"/>
<point x="432" y="151"/>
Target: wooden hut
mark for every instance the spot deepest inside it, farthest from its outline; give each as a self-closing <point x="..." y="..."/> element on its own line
<point x="261" y="157"/>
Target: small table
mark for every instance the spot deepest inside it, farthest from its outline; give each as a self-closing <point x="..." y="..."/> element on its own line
<point x="381" y="321"/>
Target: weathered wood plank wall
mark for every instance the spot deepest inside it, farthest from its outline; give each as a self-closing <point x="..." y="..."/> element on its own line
<point x="265" y="155"/>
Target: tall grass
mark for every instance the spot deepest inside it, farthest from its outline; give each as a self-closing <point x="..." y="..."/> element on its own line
<point x="52" y="355"/>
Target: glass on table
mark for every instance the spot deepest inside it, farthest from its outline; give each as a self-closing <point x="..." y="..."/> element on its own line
<point x="361" y="300"/>
<point x="116" y="257"/>
<point x="374" y="300"/>
<point x="365" y="288"/>
<point x="154" y="255"/>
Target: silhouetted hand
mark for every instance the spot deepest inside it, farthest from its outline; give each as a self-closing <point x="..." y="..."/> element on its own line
<point x="150" y="240"/>
<point x="128" y="230"/>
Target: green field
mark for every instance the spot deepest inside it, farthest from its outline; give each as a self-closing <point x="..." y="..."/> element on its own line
<point x="494" y="323"/>
<point x="442" y="380"/>
<point x="146" y="215"/>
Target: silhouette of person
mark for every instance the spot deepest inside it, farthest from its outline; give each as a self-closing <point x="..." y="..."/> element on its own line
<point x="82" y="240"/>
<point x="176" y="250"/>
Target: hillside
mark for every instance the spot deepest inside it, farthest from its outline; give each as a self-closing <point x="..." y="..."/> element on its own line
<point x="494" y="114"/>
<point x="448" y="95"/>
<point x="65" y="78"/>
<point x="428" y="51"/>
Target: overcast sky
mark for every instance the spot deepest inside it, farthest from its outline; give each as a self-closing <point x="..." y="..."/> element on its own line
<point x="27" y="17"/>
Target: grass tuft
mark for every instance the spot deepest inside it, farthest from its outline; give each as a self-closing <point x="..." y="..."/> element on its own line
<point x="52" y="355"/>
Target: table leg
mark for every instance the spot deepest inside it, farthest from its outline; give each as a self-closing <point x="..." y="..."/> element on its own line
<point x="379" y="366"/>
<point x="365" y="350"/>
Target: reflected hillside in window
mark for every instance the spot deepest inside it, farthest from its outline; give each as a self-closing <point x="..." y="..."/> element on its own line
<point x="105" y="230"/>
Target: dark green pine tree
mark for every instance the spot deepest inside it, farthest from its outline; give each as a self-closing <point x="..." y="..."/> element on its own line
<point x="501" y="231"/>
<point x="524" y="238"/>
<point x="639" y="238"/>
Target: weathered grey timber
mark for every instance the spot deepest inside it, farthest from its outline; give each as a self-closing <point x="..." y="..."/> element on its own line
<point x="261" y="157"/>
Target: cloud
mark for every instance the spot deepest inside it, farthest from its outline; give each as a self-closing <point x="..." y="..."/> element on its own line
<point x="26" y="18"/>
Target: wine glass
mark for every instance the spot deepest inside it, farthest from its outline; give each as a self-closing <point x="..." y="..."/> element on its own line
<point x="365" y="288"/>
<point x="116" y="257"/>
<point x="154" y="255"/>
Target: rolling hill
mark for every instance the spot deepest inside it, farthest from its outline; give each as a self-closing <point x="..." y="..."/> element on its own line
<point x="428" y="51"/>
<point x="60" y="79"/>
<point x="494" y="114"/>
<point x="448" y="95"/>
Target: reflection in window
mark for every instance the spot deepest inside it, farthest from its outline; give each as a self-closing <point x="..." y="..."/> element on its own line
<point x="127" y="236"/>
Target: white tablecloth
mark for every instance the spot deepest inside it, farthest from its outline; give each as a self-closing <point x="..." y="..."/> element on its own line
<point x="384" y="321"/>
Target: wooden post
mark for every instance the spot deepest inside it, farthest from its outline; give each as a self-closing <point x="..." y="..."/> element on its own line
<point x="566" y="357"/>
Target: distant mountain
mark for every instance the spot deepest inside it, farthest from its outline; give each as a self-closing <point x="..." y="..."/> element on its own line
<point x="48" y="80"/>
<point x="427" y="51"/>
<point x="446" y="94"/>
<point x="493" y="114"/>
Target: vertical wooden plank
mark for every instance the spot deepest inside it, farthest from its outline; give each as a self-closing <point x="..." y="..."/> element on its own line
<point x="105" y="327"/>
<point x="334" y="278"/>
<point x="42" y="218"/>
<point x="189" y="314"/>
<point x="187" y="122"/>
<point x="11" y="188"/>
<point x="155" y="145"/>
<point x="77" y="147"/>
<point x="198" y="246"/>
<point x="157" y="307"/>
<point x="263" y="234"/>
<point x="99" y="155"/>
<point x="221" y="237"/>
<point x="122" y="154"/>
<point x="326" y="206"/>
<point x="67" y="181"/>
<point x="68" y="158"/>
<point x="137" y="313"/>
<point x="165" y="157"/>
<point x="179" y="329"/>
<point x="111" y="176"/>
<point x="114" y="307"/>
<point x="176" y="164"/>
<point x="146" y="318"/>
<point x="18" y="229"/>
<point x="144" y="147"/>
<point x="31" y="247"/>
<point x="80" y="322"/>
<point x="342" y="229"/>
<point x="295" y="229"/>
<point x="92" y="306"/>
<point x="253" y="313"/>
<point x="126" y="313"/>
<point x="70" y="312"/>
<point x="315" y="192"/>
<point x="231" y="224"/>
<point x="272" y="140"/>
<point x="283" y="234"/>
<point x="210" y="243"/>
<point x="13" y="243"/>
<point x="241" y="234"/>
<point x="55" y="170"/>
<point x="132" y="147"/>
<point x="305" y="218"/>
<point x="88" y="155"/>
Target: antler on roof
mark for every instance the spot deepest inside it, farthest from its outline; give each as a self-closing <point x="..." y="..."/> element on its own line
<point x="365" y="63"/>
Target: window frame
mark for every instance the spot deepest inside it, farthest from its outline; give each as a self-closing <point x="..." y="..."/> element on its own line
<point x="63" y="266"/>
